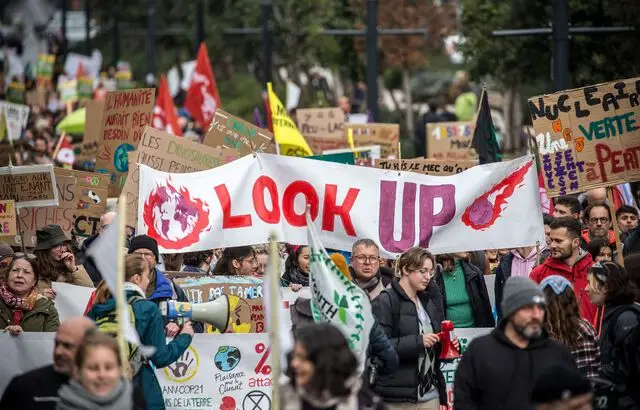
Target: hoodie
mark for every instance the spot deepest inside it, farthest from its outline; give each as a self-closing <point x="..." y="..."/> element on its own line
<point x="150" y="328"/>
<point x="577" y="275"/>
<point x="483" y="382"/>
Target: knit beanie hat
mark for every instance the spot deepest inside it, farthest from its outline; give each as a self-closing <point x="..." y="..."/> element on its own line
<point x="559" y="382"/>
<point x="519" y="292"/>
<point x="144" y="242"/>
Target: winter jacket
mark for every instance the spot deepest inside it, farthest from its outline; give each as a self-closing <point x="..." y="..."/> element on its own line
<point x="632" y="243"/>
<point x="477" y="291"/>
<point x="34" y="390"/>
<point x="398" y="317"/>
<point x="79" y="278"/>
<point x="42" y="318"/>
<point x="150" y="328"/>
<point x="87" y="261"/>
<point x="503" y="272"/>
<point x="496" y="374"/>
<point x="164" y="291"/>
<point x="291" y="399"/>
<point x="577" y="275"/>
<point x="618" y="324"/>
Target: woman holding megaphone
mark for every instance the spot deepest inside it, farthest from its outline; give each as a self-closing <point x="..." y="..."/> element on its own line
<point x="150" y="327"/>
<point x="410" y="311"/>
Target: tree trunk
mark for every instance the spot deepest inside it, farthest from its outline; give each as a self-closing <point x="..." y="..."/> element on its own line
<point x="406" y="85"/>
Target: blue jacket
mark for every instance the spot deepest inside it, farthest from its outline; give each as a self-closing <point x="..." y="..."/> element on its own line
<point x="164" y="291"/>
<point x="150" y="328"/>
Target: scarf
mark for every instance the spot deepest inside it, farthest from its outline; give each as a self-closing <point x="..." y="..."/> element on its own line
<point x="293" y="397"/>
<point x="18" y="304"/>
<point x="299" y="277"/>
<point x="368" y="285"/>
<point x="74" y="396"/>
<point x="128" y="286"/>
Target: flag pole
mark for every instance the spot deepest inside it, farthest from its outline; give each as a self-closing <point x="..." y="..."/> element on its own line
<point x="475" y="119"/>
<point x="120" y="295"/>
<point x="616" y="230"/>
<point x="274" y="288"/>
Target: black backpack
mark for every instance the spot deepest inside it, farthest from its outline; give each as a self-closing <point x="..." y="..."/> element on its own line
<point x="628" y="350"/>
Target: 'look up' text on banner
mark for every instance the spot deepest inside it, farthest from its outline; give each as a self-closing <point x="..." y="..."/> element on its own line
<point x="588" y="137"/>
<point x="243" y="202"/>
<point x="125" y="115"/>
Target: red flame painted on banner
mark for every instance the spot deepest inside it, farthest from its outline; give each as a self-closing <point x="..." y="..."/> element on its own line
<point x="173" y="218"/>
<point x="481" y="214"/>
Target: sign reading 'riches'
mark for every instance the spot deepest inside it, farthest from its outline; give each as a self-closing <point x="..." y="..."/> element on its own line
<point x="449" y="140"/>
<point x="588" y="137"/>
<point x="426" y="166"/>
<point x="228" y="131"/>
<point x="125" y="115"/>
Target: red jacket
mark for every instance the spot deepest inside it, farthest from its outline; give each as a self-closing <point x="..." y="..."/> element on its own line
<point x="576" y="275"/>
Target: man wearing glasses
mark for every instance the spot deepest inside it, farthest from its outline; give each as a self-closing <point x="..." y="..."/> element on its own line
<point x="597" y="218"/>
<point x="366" y="270"/>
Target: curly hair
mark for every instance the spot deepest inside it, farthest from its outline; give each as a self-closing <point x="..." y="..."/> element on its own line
<point x="563" y="316"/>
<point x="334" y="363"/>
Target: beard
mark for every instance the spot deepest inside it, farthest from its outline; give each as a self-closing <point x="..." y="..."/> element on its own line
<point x="562" y="254"/>
<point x="527" y="331"/>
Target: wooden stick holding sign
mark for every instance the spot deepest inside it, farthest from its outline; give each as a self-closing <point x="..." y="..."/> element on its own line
<point x="616" y="230"/>
<point x="399" y="158"/>
<point x="121" y="299"/>
<point x="274" y="289"/>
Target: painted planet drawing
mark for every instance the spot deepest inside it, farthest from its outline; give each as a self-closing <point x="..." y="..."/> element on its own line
<point x="120" y="157"/>
<point x="480" y="212"/>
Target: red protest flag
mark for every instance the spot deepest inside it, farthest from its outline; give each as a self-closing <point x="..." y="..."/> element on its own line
<point x="164" y="113"/>
<point x="202" y="97"/>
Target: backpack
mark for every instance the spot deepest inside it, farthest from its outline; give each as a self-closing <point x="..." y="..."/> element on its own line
<point x="630" y="353"/>
<point x="109" y="324"/>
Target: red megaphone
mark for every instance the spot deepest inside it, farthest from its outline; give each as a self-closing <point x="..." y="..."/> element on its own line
<point x="447" y="336"/>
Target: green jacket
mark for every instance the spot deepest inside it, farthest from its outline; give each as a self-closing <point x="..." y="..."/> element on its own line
<point x="43" y="317"/>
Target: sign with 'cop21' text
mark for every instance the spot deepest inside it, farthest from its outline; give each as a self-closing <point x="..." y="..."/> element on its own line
<point x="245" y="201"/>
<point x="588" y="137"/>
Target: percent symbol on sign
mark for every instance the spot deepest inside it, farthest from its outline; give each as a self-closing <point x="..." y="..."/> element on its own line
<point x="261" y="367"/>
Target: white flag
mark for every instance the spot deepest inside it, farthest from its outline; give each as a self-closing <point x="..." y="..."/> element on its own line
<point x="16" y="116"/>
<point x="335" y="299"/>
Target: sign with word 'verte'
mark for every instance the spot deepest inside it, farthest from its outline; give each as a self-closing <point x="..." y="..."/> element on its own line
<point x="29" y="185"/>
<point x="244" y="202"/>
<point x="385" y="135"/>
<point x="588" y="137"/>
<point x="125" y="115"/>
<point x="426" y="166"/>
<point x="322" y="127"/>
<point x="165" y="152"/>
<point x="228" y="131"/>
<point x="449" y="140"/>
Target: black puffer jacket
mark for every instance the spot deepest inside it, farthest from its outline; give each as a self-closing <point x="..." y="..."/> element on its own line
<point x="477" y="291"/>
<point x="398" y="317"/>
<point x="496" y="374"/>
<point x="616" y="347"/>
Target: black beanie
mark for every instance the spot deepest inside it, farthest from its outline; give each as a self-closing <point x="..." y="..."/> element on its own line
<point x="144" y="242"/>
<point x="559" y="382"/>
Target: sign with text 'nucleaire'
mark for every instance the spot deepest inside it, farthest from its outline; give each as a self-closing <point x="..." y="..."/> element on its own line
<point x="588" y="137"/>
<point x="244" y="202"/>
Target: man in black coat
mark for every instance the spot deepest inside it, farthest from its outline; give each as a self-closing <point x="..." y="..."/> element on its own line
<point x="38" y="389"/>
<point x="499" y="370"/>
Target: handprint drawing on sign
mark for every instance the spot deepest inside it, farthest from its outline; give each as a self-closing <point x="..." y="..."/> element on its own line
<point x="181" y="366"/>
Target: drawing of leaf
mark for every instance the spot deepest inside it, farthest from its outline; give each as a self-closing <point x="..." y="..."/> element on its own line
<point x="356" y="337"/>
<point x="359" y="316"/>
<point x="343" y="303"/>
<point x="342" y="314"/>
<point x="359" y="327"/>
<point x="336" y="298"/>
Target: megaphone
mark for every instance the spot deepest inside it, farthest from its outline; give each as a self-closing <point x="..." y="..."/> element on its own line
<point x="216" y="312"/>
<point x="447" y="336"/>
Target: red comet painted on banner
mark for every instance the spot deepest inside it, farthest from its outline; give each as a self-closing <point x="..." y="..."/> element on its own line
<point x="173" y="218"/>
<point x="481" y="214"/>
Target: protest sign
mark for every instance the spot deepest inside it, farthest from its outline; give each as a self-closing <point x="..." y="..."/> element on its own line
<point x="85" y="88"/>
<point x="228" y="131"/>
<point x="68" y="91"/>
<point x="71" y="300"/>
<point x="322" y="127"/>
<point x="245" y="299"/>
<point x="243" y="203"/>
<point x="449" y="140"/>
<point x="16" y="92"/>
<point x="426" y="166"/>
<point x="83" y="199"/>
<point x="385" y="135"/>
<point x="44" y="68"/>
<point x="16" y="117"/>
<point x="588" y="137"/>
<point x="8" y="218"/>
<point x="165" y="152"/>
<point x="29" y="185"/>
<point x="125" y="115"/>
<point x="363" y="156"/>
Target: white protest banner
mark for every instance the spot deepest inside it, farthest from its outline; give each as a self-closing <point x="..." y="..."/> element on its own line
<point x="226" y="371"/>
<point x="16" y="116"/>
<point x="337" y="300"/>
<point x="243" y="202"/>
<point x="71" y="300"/>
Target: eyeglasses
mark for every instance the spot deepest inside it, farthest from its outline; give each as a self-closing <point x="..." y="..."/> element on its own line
<point x="145" y="254"/>
<point x="364" y="259"/>
<point x="424" y="272"/>
<point x="594" y="221"/>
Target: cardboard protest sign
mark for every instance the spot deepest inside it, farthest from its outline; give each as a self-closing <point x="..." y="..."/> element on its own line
<point x="449" y="140"/>
<point x="44" y="68"/>
<point x="322" y="127"/>
<point x="165" y="152"/>
<point x="68" y="91"/>
<point x="85" y="88"/>
<point x="16" y="117"/>
<point x="245" y="202"/>
<point x="588" y="137"/>
<point x="125" y="115"/>
<point x="228" y="131"/>
<point x="362" y="156"/>
<point x="16" y="92"/>
<point x="426" y="166"/>
<point x="245" y="299"/>
<point x="8" y="218"/>
<point x="385" y="135"/>
<point x="83" y="199"/>
<point x="29" y="185"/>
